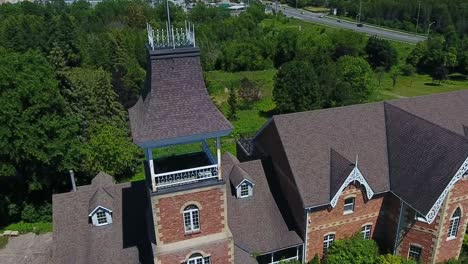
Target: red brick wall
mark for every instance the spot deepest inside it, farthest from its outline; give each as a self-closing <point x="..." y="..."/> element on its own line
<point x="169" y="218"/>
<point x="219" y="252"/>
<point x="458" y="197"/>
<point x="420" y="234"/>
<point x="324" y="221"/>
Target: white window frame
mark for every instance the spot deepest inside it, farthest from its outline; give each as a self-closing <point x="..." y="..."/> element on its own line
<point x="366" y="231"/>
<point x="101" y="217"/>
<point x="244" y="188"/>
<point x="328" y="242"/>
<point x="101" y="213"/>
<point x="454" y="224"/>
<point x="191" y="219"/>
<point x="416" y="251"/>
<point x="348" y="210"/>
<point x="199" y="259"/>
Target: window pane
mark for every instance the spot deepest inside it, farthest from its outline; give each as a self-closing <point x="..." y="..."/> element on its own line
<point x="101" y="217"/>
<point x="415" y="253"/>
<point x="349" y="204"/>
<point x="366" y="231"/>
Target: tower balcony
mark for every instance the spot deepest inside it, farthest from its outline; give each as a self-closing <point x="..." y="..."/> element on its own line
<point x="183" y="169"/>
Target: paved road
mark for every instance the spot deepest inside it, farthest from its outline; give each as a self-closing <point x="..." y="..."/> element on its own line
<point x="27" y="249"/>
<point x="369" y="30"/>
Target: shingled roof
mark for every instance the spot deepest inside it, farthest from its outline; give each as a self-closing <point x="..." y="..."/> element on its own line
<point x="177" y="106"/>
<point x="245" y="214"/>
<point x="400" y="144"/>
<point x="125" y="240"/>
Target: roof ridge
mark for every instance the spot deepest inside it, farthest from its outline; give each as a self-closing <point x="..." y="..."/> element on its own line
<point x="423" y="119"/>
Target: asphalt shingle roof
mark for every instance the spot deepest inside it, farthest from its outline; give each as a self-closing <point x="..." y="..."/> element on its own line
<point x="177" y="104"/>
<point x="256" y="222"/>
<point x="126" y="240"/>
<point x="400" y="144"/>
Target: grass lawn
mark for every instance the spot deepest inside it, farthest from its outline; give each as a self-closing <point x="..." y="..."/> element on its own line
<point x="22" y="227"/>
<point x="417" y="85"/>
<point x="3" y="241"/>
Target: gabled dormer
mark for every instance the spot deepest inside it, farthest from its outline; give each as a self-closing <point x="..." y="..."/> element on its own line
<point x="102" y="201"/>
<point x="100" y="216"/>
<point x="241" y="182"/>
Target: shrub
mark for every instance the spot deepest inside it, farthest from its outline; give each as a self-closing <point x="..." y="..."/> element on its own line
<point x="41" y="213"/>
<point x="392" y="259"/>
<point x="249" y="91"/>
<point x="353" y="250"/>
<point x="407" y="70"/>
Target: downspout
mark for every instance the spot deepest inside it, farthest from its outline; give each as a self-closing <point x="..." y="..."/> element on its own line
<point x="304" y="250"/>
<point x="398" y="228"/>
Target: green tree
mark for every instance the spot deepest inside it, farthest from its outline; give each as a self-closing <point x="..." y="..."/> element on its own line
<point x="296" y="88"/>
<point x="232" y="103"/>
<point x="394" y="73"/>
<point x="381" y="53"/>
<point x="249" y="91"/>
<point x="110" y="150"/>
<point x="356" y="76"/>
<point x="36" y="131"/>
<point x="90" y="97"/>
<point x="353" y="250"/>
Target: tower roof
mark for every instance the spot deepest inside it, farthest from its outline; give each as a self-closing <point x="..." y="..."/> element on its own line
<point x="177" y="107"/>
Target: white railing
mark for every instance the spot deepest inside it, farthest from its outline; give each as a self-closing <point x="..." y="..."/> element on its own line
<point x="180" y="177"/>
<point x="284" y="260"/>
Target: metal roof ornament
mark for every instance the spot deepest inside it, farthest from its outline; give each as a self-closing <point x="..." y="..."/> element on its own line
<point x="170" y="37"/>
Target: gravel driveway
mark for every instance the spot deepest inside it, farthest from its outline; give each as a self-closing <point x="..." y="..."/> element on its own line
<point x="27" y="249"/>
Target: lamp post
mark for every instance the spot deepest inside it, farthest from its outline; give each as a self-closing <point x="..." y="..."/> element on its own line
<point x="429" y="28"/>
<point x="360" y="9"/>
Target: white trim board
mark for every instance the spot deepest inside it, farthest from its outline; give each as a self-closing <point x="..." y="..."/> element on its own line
<point x="355" y="175"/>
<point x="432" y="214"/>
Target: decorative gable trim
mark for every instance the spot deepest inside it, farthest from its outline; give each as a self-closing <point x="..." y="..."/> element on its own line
<point x="245" y="180"/>
<point x="355" y="175"/>
<point x="99" y="207"/>
<point x="431" y="215"/>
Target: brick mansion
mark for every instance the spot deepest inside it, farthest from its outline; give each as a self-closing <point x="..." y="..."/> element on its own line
<point x="394" y="172"/>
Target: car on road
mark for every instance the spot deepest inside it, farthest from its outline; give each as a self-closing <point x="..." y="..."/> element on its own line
<point x="360" y="25"/>
<point x="302" y="12"/>
<point x="339" y="21"/>
<point x="321" y="16"/>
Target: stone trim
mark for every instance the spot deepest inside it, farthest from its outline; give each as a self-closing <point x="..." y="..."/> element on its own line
<point x="191" y="243"/>
<point x="201" y="252"/>
<point x="342" y="222"/>
<point x="172" y="194"/>
<point x="439" y="233"/>
<point x="197" y="204"/>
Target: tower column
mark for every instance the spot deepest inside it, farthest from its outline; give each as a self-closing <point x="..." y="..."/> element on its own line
<point x="149" y="159"/>
<point x="218" y="153"/>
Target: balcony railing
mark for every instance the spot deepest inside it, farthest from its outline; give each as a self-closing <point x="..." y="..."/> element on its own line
<point x="285" y="260"/>
<point x="180" y="177"/>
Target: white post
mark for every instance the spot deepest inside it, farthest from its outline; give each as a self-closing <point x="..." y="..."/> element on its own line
<point x="149" y="158"/>
<point x="218" y="153"/>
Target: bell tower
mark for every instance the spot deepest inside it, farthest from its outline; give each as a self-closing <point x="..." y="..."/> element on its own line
<point x="187" y="189"/>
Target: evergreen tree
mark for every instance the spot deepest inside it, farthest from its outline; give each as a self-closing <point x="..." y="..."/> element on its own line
<point x="232" y="102"/>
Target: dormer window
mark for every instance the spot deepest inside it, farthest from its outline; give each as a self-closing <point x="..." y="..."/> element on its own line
<point x="245" y="189"/>
<point x="100" y="216"/>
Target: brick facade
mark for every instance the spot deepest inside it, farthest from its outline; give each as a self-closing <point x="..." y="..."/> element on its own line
<point x="450" y="248"/>
<point x="333" y="220"/>
<point x="383" y="213"/>
<point x="219" y="252"/>
<point x="214" y="238"/>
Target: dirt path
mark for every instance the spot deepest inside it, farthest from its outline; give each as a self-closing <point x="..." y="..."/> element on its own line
<point x="27" y="248"/>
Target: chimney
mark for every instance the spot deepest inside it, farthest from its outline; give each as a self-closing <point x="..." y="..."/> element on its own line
<point x="72" y="178"/>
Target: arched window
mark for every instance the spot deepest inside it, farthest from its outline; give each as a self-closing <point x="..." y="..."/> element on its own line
<point x="191" y="218"/>
<point x="454" y="222"/>
<point x="197" y="258"/>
